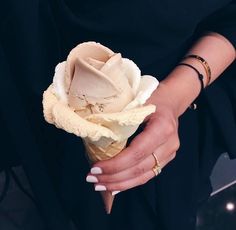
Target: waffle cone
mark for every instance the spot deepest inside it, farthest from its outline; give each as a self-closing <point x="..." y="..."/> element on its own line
<point x="96" y="153"/>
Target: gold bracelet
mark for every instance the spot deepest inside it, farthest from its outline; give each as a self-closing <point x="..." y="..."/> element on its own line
<point x="205" y="65"/>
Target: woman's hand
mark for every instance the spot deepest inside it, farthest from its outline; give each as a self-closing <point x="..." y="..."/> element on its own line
<point x="133" y="166"/>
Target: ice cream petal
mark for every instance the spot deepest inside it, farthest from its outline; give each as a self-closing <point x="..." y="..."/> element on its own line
<point x="147" y="85"/>
<point x="122" y="124"/>
<point x="49" y="100"/>
<point x="84" y="50"/>
<point x="113" y="69"/>
<point x="62" y="116"/>
<point x="59" y="82"/>
<point x="133" y="74"/>
<point x="67" y="119"/>
<point x="95" y="63"/>
<point x="90" y="82"/>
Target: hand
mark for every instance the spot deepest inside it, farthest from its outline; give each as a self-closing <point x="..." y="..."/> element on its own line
<point x="133" y="166"/>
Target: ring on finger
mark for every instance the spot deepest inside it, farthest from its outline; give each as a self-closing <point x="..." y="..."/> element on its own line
<point x="157" y="167"/>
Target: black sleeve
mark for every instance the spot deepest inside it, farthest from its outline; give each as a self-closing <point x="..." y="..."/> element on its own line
<point x="217" y="109"/>
<point x="223" y="21"/>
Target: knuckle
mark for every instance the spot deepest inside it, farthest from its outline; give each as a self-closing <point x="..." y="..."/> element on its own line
<point x="138" y="171"/>
<point x="138" y="155"/>
<point x="173" y="155"/>
<point x="113" y="168"/>
<point x="105" y="178"/>
<point x="176" y="144"/>
<point x="118" y="187"/>
<point x="169" y="129"/>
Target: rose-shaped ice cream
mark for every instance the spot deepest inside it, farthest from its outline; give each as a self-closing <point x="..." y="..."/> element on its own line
<point x="98" y="95"/>
<point x="101" y="81"/>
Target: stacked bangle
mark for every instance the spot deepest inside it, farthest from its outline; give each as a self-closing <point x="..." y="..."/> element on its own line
<point x="200" y="77"/>
<point x="204" y="64"/>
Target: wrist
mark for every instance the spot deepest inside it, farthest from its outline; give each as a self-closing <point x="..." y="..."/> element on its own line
<point x="167" y="97"/>
<point x="182" y="86"/>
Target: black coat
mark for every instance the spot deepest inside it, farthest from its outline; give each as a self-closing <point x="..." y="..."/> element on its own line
<point x="36" y="35"/>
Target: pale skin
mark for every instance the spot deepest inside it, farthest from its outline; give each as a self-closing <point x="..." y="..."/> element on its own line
<point x="133" y="166"/>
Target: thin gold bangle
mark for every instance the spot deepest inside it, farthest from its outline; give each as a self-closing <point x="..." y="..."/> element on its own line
<point x="204" y="64"/>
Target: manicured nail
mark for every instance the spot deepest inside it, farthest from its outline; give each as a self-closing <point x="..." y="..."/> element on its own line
<point x="91" y="179"/>
<point x="100" y="188"/>
<point x="96" y="170"/>
<point x="114" y="193"/>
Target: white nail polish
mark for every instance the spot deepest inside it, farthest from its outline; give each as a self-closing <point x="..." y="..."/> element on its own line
<point x="96" y="170"/>
<point x="91" y="179"/>
<point x="100" y="188"/>
<point x="114" y="193"/>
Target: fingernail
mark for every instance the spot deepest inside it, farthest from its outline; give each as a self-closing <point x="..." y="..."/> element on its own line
<point x="91" y="179"/>
<point x="100" y="188"/>
<point x="96" y="170"/>
<point x="114" y="193"/>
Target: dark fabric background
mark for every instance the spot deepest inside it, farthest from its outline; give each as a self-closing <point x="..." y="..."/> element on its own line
<point x="37" y="34"/>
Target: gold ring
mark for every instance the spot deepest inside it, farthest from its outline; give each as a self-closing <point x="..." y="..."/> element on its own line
<point x="157" y="168"/>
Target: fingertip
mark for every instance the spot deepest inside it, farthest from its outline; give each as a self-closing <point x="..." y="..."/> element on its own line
<point x="96" y="170"/>
<point x="91" y="179"/>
